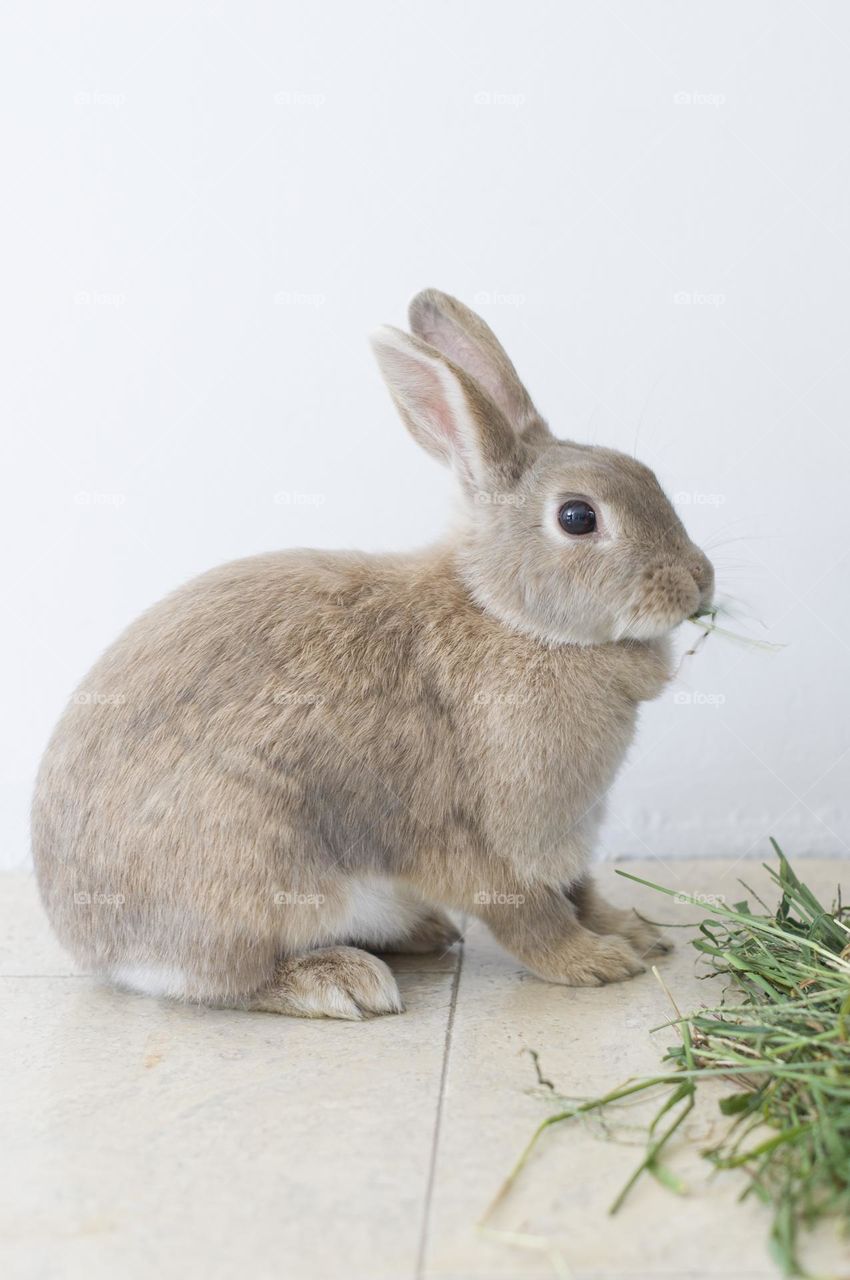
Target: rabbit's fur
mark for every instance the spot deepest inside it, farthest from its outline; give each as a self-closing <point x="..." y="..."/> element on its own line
<point x="303" y="757"/>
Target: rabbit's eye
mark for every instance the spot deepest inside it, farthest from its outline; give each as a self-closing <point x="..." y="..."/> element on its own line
<point x="577" y="517"/>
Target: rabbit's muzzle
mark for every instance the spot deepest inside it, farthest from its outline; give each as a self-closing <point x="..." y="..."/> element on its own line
<point x="668" y="593"/>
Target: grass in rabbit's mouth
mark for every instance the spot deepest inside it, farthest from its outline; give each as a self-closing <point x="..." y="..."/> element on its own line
<point x="706" y="619"/>
<point x="780" y="1036"/>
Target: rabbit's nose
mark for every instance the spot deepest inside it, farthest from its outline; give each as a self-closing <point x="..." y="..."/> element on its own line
<point x="702" y="572"/>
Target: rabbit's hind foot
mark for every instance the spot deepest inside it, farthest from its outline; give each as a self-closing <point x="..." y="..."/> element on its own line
<point x="332" y="982"/>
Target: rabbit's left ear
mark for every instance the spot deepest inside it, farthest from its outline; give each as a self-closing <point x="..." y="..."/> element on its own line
<point x="447" y="412"/>
<point x="472" y="345"/>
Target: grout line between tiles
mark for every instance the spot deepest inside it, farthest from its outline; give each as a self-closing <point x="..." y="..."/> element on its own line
<point x="438" y="1118"/>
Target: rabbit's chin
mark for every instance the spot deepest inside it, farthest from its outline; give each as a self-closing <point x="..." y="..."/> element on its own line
<point x="649" y="626"/>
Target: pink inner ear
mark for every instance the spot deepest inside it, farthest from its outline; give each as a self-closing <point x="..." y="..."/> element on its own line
<point x="436" y="407"/>
<point x="430" y="404"/>
<point x="462" y="351"/>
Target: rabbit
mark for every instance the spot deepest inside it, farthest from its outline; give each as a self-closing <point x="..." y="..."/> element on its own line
<point x="303" y="761"/>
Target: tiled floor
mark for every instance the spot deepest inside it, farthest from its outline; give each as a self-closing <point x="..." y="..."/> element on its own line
<point x="146" y="1139"/>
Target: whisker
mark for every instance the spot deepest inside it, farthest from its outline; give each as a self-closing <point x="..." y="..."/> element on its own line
<point x="712" y="545"/>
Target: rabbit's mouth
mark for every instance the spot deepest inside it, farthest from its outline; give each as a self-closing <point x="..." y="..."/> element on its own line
<point x="668" y="594"/>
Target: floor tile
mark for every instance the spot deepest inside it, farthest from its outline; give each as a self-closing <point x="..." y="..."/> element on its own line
<point x="148" y="1139"/>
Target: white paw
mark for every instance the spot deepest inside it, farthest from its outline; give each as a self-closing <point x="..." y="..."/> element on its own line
<point x="339" y="982"/>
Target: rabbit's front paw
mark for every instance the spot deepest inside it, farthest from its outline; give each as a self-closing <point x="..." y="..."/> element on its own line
<point x="591" y="961"/>
<point x="602" y="918"/>
<point x="643" y="936"/>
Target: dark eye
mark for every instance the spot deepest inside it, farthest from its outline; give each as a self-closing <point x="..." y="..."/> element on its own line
<point x="577" y="517"/>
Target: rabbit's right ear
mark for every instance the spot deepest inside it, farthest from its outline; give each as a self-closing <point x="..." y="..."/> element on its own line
<point x="448" y="413"/>
<point x="469" y="342"/>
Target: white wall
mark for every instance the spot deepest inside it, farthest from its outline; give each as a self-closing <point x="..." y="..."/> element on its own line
<point x="209" y="206"/>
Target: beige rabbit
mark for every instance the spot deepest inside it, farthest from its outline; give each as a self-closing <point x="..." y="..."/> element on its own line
<point x="304" y="757"/>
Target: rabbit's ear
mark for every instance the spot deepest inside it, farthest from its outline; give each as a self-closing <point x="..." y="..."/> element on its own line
<point x="447" y="412"/>
<point x="472" y="345"/>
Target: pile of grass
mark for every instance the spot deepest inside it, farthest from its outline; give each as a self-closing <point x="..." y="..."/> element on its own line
<point x="780" y="1035"/>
